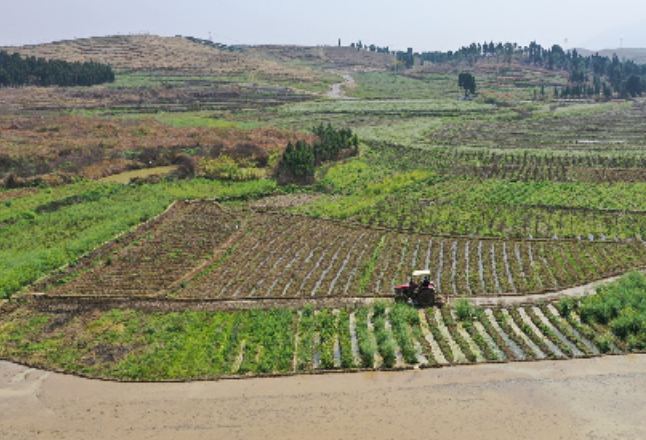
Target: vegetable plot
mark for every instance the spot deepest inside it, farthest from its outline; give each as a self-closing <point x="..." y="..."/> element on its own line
<point x="198" y="250"/>
<point x="140" y="345"/>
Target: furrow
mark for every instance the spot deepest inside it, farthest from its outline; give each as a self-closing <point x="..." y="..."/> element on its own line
<point x="518" y="352"/>
<point x="500" y="355"/>
<point x="538" y="353"/>
<point x="575" y="350"/>
<point x="458" y="356"/>
<point x="428" y="336"/>
<point x="528" y="321"/>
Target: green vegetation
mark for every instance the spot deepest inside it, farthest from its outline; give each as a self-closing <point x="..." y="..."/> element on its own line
<point x="621" y="306"/>
<point x="44" y="231"/>
<point x="30" y="71"/>
<point x="134" y="344"/>
<point x="298" y="162"/>
<point x="526" y="188"/>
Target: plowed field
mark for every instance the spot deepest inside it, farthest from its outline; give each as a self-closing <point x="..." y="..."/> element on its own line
<point x="200" y="251"/>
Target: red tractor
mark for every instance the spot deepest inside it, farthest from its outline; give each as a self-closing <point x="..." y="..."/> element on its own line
<point x="420" y="290"/>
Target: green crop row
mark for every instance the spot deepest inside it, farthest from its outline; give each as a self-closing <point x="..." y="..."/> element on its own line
<point x="141" y="345"/>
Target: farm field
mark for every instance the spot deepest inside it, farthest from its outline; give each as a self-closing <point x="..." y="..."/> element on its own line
<point x="199" y="250"/>
<point x="510" y="194"/>
<point x="195" y="343"/>
<point x="42" y="230"/>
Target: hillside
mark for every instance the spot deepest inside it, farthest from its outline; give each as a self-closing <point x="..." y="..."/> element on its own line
<point x="330" y="56"/>
<point x="638" y="55"/>
<point x="145" y="52"/>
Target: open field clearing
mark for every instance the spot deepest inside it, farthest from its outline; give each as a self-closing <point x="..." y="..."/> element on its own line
<point x="160" y="96"/>
<point x="323" y="56"/>
<point x="359" y="113"/>
<point x="617" y="130"/>
<point x="216" y="255"/>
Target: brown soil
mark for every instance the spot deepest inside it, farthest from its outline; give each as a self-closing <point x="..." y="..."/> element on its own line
<point x="596" y="398"/>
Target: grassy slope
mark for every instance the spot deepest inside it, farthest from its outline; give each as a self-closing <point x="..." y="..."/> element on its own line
<point x="41" y="232"/>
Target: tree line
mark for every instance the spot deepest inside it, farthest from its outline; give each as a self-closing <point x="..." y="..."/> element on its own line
<point x="299" y="161"/>
<point x="31" y="71"/>
<point x="589" y="76"/>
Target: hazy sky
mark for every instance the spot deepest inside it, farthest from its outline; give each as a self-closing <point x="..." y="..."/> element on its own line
<point x="424" y="25"/>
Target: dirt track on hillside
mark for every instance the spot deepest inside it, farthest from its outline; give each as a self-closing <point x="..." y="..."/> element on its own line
<point x="600" y="398"/>
<point x="336" y="90"/>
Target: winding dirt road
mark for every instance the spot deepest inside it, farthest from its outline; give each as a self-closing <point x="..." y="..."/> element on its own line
<point x="599" y="398"/>
<point x="336" y="90"/>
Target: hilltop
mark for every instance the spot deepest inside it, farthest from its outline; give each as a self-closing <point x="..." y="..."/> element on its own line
<point x="331" y="56"/>
<point x="146" y="52"/>
<point x="638" y="55"/>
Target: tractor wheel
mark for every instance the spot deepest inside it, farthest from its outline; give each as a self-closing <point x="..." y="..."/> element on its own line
<point x="426" y="297"/>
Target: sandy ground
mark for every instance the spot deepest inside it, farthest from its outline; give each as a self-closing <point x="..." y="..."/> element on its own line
<point x="599" y="398"/>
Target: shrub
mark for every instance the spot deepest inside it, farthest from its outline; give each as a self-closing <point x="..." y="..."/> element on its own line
<point x="464" y="311"/>
<point x="186" y="165"/>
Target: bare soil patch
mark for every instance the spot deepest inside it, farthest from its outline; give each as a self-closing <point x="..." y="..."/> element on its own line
<point x="581" y="399"/>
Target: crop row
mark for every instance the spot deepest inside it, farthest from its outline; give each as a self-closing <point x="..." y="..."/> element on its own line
<point x="194" y="254"/>
<point x="296" y="256"/>
<point x="621" y="130"/>
<point x="498" y="220"/>
<point x="151" y="259"/>
<point x="519" y="163"/>
<point x="192" y="344"/>
<point x="198" y="251"/>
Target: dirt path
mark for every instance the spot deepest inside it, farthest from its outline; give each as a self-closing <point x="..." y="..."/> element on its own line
<point x="600" y="398"/>
<point x="336" y="90"/>
<point x="79" y="304"/>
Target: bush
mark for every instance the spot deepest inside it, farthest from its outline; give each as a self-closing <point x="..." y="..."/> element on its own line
<point x="186" y="165"/>
<point x="622" y="307"/>
<point x="464" y="311"/>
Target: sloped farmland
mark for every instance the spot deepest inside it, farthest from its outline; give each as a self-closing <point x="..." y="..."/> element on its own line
<point x="199" y="344"/>
<point x="151" y="258"/>
<point x="198" y="250"/>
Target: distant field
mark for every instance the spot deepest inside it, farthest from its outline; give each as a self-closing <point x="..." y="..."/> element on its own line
<point x="95" y="146"/>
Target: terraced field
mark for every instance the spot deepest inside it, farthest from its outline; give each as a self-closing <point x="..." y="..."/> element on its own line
<point x="135" y="345"/>
<point x="199" y="250"/>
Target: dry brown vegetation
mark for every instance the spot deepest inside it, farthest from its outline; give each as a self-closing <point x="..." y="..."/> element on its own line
<point x="342" y="57"/>
<point x="77" y="144"/>
<point x="188" y="97"/>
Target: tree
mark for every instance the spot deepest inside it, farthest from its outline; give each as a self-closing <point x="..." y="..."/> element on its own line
<point x="297" y="164"/>
<point x="634" y="86"/>
<point x="467" y="82"/>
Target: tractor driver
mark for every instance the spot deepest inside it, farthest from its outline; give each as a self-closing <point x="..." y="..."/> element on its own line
<point x="412" y="286"/>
